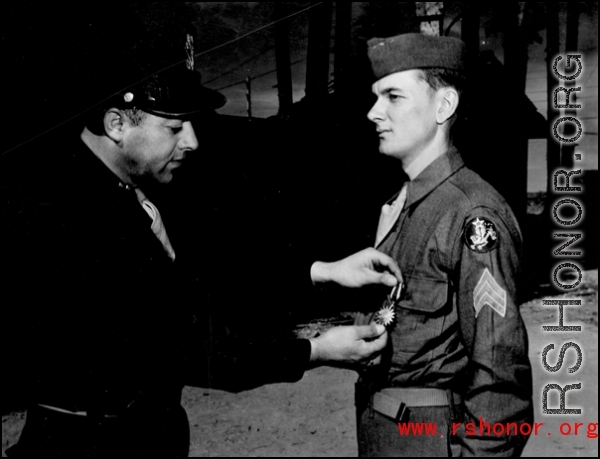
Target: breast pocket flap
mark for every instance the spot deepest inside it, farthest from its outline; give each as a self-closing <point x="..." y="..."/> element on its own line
<point x="424" y="295"/>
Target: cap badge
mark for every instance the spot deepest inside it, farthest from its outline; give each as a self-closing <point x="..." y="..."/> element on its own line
<point x="128" y="96"/>
<point x="189" y="49"/>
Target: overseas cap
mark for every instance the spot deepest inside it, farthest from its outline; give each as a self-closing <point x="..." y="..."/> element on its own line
<point x="165" y="83"/>
<point x="415" y="51"/>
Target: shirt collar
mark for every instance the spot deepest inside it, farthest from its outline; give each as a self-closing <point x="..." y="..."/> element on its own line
<point x="421" y="162"/>
<point x="432" y="175"/>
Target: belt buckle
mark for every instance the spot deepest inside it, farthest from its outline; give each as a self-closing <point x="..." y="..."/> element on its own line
<point x="403" y="413"/>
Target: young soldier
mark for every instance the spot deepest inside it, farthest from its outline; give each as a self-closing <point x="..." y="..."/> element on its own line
<point x="458" y="345"/>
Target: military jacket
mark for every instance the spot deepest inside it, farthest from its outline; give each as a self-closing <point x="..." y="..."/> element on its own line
<point x="458" y="323"/>
<point x="109" y="315"/>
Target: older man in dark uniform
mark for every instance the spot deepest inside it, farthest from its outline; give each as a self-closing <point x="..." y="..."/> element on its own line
<point x="458" y="347"/>
<point x="108" y="342"/>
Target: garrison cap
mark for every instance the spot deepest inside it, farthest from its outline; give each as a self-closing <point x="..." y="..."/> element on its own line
<point x="415" y="51"/>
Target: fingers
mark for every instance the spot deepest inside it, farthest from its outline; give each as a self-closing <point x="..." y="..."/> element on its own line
<point x="368" y="266"/>
<point x="377" y="336"/>
<point x="371" y="348"/>
<point x="347" y="344"/>
<point x="386" y="279"/>
<point x="389" y="263"/>
<point x="369" y="331"/>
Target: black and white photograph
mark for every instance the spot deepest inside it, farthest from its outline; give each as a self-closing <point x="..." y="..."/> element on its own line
<point x="290" y="229"/>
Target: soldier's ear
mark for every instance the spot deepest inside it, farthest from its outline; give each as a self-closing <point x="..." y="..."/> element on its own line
<point x="447" y="104"/>
<point x="115" y="124"/>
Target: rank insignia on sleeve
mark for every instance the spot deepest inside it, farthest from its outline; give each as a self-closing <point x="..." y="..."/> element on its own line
<point x="480" y="235"/>
<point x="489" y="292"/>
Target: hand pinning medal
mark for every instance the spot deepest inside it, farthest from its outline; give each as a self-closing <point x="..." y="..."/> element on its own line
<point x="386" y="316"/>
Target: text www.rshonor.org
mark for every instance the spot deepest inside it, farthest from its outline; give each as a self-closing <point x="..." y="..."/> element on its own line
<point x="497" y="429"/>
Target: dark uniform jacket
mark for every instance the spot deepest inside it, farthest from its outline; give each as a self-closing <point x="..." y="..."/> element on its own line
<point x="110" y="313"/>
<point x="458" y="323"/>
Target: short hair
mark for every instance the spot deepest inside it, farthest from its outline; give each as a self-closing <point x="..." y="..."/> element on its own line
<point x="437" y="78"/>
<point x="94" y="120"/>
<point x="136" y="115"/>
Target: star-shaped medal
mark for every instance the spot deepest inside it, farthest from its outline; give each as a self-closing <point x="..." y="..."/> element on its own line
<point x="386" y="316"/>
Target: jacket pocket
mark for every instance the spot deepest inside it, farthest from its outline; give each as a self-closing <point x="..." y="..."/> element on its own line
<point x="424" y="295"/>
<point x="422" y="316"/>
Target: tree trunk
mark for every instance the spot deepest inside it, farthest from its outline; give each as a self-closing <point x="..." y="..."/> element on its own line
<point x="283" y="63"/>
<point x="317" y="66"/>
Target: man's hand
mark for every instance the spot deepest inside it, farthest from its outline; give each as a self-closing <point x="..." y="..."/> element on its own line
<point x="366" y="267"/>
<point x="347" y="344"/>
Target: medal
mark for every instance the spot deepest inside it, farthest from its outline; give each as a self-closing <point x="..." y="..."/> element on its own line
<point x="386" y="316"/>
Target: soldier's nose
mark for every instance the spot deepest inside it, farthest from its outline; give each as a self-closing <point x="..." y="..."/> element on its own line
<point x="375" y="113"/>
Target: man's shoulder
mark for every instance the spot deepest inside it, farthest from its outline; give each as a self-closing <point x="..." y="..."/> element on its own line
<point x="457" y="188"/>
<point x="471" y="191"/>
<point x="72" y="189"/>
<point x="474" y="198"/>
<point x="465" y="196"/>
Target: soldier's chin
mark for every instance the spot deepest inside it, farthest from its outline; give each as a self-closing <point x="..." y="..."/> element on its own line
<point x="386" y="151"/>
<point x="393" y="151"/>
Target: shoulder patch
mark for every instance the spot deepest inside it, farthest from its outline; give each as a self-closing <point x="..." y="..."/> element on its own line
<point x="480" y="235"/>
<point x="488" y="291"/>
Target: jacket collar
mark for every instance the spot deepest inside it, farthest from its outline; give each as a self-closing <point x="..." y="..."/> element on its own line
<point x="433" y="175"/>
<point x="97" y="175"/>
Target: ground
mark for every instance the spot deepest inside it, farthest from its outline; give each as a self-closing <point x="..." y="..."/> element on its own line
<point x="315" y="416"/>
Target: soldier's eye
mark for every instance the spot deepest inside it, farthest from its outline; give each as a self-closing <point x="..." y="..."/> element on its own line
<point x="175" y="129"/>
